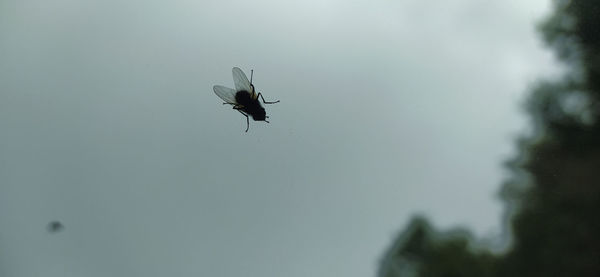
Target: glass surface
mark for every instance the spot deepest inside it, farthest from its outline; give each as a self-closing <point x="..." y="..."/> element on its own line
<point x="412" y="138"/>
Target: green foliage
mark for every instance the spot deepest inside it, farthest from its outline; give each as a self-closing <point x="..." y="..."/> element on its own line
<point x="555" y="228"/>
<point x="421" y="251"/>
<point x="554" y="193"/>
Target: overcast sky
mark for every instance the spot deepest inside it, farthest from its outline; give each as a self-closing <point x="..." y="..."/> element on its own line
<point x="109" y="124"/>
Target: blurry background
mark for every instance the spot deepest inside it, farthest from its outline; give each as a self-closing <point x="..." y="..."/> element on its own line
<point x="388" y="109"/>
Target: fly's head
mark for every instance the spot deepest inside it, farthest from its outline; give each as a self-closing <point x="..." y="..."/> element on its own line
<point x="260" y="115"/>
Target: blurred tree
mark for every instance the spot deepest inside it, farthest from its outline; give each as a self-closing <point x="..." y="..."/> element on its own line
<point x="553" y="196"/>
<point x="421" y="251"/>
<point x="555" y="225"/>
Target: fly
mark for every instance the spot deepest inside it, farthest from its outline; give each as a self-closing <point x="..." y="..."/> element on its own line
<point x="243" y="98"/>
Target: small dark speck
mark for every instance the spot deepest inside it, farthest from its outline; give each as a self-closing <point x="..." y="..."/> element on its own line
<point x="55" y="227"/>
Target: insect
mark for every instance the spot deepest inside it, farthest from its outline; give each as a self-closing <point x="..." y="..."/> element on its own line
<point x="55" y="227"/>
<point x="243" y="98"/>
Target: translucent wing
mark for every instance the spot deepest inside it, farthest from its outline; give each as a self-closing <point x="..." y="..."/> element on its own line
<point x="225" y="93"/>
<point x="240" y="80"/>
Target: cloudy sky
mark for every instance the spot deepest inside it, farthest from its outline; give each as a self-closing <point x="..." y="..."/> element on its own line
<point x="388" y="109"/>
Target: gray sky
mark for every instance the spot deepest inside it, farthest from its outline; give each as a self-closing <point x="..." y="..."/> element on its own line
<point x="388" y="108"/>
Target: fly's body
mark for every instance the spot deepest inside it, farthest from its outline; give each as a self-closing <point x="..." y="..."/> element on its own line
<point x="244" y="98"/>
<point x="250" y="105"/>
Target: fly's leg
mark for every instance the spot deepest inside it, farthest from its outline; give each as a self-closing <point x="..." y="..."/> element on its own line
<point x="238" y="107"/>
<point x="229" y="103"/>
<point x="263" y="99"/>
<point x="247" y="120"/>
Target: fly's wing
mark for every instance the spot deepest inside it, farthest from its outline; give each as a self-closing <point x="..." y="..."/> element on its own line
<point x="240" y="80"/>
<point x="225" y="93"/>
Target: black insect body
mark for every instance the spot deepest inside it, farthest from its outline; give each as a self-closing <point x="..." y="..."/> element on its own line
<point x="250" y="106"/>
<point x="55" y="226"/>
<point x="244" y="98"/>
